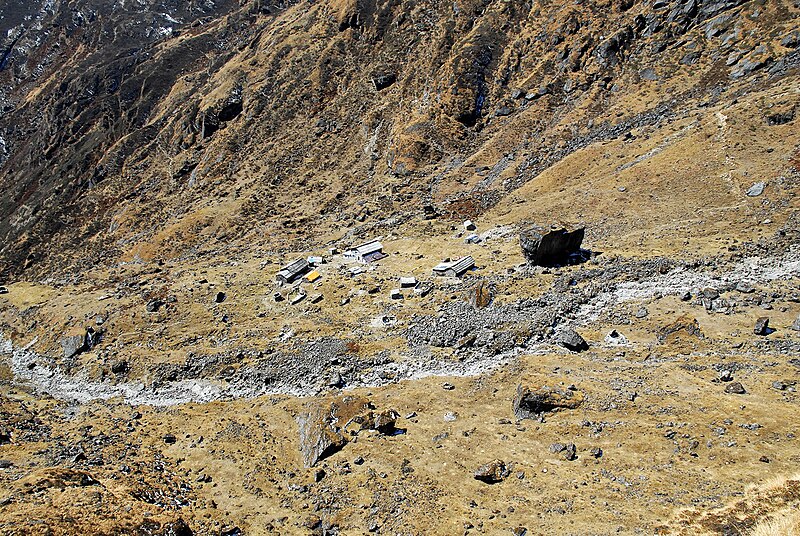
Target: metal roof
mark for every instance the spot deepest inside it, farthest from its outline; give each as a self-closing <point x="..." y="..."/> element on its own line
<point x="293" y="268"/>
<point x="459" y="266"/>
<point x="462" y="265"/>
<point x="369" y="247"/>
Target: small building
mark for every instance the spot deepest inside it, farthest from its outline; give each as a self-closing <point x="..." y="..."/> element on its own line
<point x="356" y="270"/>
<point x="313" y="276"/>
<point x="316" y="260"/>
<point x="454" y="268"/>
<point x="469" y="226"/>
<point x="365" y="253"/>
<point x="297" y="297"/>
<point x="423" y="289"/>
<point x="292" y="271"/>
<point x="395" y="294"/>
<point x="315" y="298"/>
<point x="408" y="282"/>
<point x="472" y="239"/>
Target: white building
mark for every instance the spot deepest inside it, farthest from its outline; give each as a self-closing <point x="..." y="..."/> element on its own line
<point x="365" y="253"/>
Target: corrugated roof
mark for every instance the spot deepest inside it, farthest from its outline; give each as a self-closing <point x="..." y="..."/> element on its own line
<point x="374" y="256"/>
<point x="462" y="265"/>
<point x="293" y="269"/>
<point x="369" y="247"/>
<point x="295" y="266"/>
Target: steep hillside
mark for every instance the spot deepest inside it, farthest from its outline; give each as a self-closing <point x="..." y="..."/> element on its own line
<point x="129" y="134"/>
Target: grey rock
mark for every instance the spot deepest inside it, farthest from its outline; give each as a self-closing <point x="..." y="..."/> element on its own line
<point x="735" y="388"/>
<point x="571" y="340"/>
<point x="642" y="312"/>
<point x="762" y="326"/>
<point x="649" y="74"/>
<point x="73" y="345"/>
<point x="796" y="324"/>
<point x="756" y="189"/>
<point x="792" y="39"/>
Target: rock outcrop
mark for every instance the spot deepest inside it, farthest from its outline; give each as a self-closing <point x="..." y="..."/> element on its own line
<point x="530" y="404"/>
<point x="329" y="424"/>
<point x="549" y="246"/>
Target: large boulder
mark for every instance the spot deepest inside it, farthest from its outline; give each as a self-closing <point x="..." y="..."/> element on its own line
<point x="529" y="404"/>
<point x="572" y="341"/>
<point x="492" y="472"/>
<point x="328" y="424"/>
<point x="74" y="343"/>
<point x="79" y="340"/>
<point x="549" y="246"/>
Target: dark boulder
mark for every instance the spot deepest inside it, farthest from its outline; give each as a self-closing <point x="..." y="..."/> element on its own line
<point x="762" y="326"/>
<point x="551" y="246"/>
<point x="529" y="404"/>
<point x="571" y="340"/>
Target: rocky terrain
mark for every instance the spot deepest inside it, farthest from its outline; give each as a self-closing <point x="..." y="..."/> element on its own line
<point x="162" y="161"/>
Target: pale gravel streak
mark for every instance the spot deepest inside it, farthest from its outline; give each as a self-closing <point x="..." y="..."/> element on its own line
<point x="752" y="270"/>
<point x="79" y="389"/>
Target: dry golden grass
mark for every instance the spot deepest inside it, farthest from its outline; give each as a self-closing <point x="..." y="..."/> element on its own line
<point x="784" y="523"/>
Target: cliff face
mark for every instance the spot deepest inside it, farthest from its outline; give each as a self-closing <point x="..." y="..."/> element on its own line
<point x="160" y="129"/>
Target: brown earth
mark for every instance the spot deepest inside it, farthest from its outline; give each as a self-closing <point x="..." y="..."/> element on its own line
<point x="182" y="418"/>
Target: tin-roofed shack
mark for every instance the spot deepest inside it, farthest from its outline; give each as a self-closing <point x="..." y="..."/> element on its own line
<point x="455" y="268"/>
<point x="292" y="271"/>
<point x="365" y="253"/>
